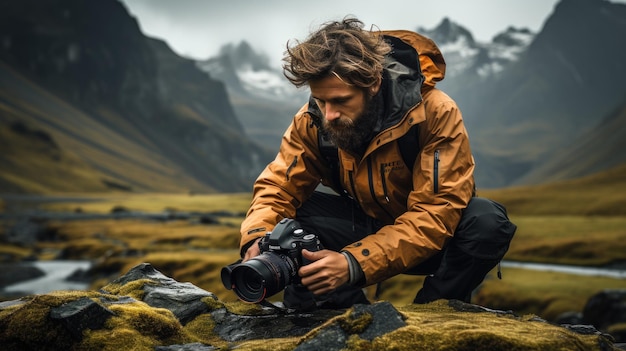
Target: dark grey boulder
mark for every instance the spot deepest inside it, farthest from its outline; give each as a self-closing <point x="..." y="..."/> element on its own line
<point x="81" y="314"/>
<point x="606" y="308"/>
<point x="183" y="299"/>
<point x="366" y="321"/>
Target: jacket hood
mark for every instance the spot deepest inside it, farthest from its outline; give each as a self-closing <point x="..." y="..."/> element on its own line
<point x="431" y="61"/>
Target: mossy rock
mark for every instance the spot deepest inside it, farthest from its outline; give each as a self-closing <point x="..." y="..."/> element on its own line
<point x="126" y="322"/>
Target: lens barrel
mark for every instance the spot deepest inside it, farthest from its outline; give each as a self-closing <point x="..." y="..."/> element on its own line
<point x="262" y="276"/>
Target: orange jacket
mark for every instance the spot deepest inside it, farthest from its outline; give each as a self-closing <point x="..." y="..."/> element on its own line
<point x="420" y="203"/>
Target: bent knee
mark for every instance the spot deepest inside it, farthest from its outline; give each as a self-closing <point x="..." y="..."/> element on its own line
<point x="485" y="230"/>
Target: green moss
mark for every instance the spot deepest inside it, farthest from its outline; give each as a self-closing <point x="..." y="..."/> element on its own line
<point x="200" y="329"/>
<point x="244" y="309"/>
<point x="133" y="289"/>
<point x="437" y="326"/>
<point x="213" y="303"/>
<point x="284" y="344"/>
<point x="352" y="324"/>
<point x="6" y="312"/>
<point x="158" y="322"/>
<point x="28" y="326"/>
<point x="135" y="326"/>
<point x="115" y="340"/>
<point x="357" y="344"/>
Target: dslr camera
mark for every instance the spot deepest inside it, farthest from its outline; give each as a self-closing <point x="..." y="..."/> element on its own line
<point x="276" y="267"/>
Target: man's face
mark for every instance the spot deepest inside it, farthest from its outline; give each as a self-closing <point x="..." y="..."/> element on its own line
<point x="349" y="114"/>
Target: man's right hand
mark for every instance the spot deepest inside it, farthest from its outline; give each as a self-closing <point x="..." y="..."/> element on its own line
<point x="253" y="251"/>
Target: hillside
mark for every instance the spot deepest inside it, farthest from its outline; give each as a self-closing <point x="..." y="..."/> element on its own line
<point x="119" y="111"/>
<point x="601" y="194"/>
<point x="599" y="149"/>
<point x="48" y="145"/>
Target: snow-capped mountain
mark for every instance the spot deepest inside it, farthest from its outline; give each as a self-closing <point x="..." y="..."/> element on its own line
<point x="247" y="73"/>
<point x="464" y="55"/>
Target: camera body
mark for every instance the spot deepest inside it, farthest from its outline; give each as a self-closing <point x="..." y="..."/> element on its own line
<point x="276" y="267"/>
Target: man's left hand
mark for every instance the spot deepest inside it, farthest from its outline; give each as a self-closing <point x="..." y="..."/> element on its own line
<point x="327" y="272"/>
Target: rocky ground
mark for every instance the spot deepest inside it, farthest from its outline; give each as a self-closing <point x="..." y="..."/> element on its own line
<point x="146" y="310"/>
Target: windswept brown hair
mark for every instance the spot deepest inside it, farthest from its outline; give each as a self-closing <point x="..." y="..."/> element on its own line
<point x="342" y="48"/>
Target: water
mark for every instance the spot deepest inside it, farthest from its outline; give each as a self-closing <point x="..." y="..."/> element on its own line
<point x="577" y="270"/>
<point x="54" y="279"/>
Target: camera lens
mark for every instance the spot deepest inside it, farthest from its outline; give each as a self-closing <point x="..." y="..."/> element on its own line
<point x="249" y="282"/>
<point x="262" y="276"/>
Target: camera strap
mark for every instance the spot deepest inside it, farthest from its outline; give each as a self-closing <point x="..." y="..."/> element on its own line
<point x="278" y="309"/>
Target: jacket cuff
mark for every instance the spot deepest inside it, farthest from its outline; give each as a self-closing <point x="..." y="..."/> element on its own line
<point x="357" y="277"/>
<point x="244" y="248"/>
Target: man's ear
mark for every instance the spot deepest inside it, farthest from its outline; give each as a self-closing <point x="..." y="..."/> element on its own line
<point x="373" y="90"/>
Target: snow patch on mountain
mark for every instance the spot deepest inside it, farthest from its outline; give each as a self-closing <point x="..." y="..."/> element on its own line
<point x="505" y="48"/>
<point x="268" y="83"/>
<point x="459" y="55"/>
<point x="464" y="55"/>
<point x="246" y="73"/>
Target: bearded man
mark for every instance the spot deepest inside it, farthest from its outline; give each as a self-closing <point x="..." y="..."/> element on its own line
<point x="389" y="215"/>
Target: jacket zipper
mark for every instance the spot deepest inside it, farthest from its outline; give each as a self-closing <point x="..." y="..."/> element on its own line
<point x="352" y="186"/>
<point x="436" y="172"/>
<point x="371" y="186"/>
<point x="291" y="166"/>
<point x="384" y="181"/>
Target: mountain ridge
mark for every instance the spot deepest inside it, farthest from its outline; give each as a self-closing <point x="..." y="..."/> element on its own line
<point x="139" y="115"/>
<point x="568" y="80"/>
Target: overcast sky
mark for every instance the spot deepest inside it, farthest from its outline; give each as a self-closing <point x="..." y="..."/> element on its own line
<point x="198" y="28"/>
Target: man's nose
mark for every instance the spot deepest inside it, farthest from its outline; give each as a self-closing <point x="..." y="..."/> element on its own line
<point x="331" y="113"/>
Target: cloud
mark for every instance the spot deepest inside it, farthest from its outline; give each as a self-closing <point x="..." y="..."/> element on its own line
<point x="198" y="28"/>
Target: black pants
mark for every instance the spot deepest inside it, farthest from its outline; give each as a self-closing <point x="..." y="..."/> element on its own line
<point x="479" y="243"/>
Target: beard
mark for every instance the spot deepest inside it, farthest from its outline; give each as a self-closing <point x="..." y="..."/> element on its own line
<point x="354" y="135"/>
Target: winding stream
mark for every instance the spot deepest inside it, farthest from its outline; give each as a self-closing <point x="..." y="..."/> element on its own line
<point x="577" y="270"/>
<point x="55" y="276"/>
